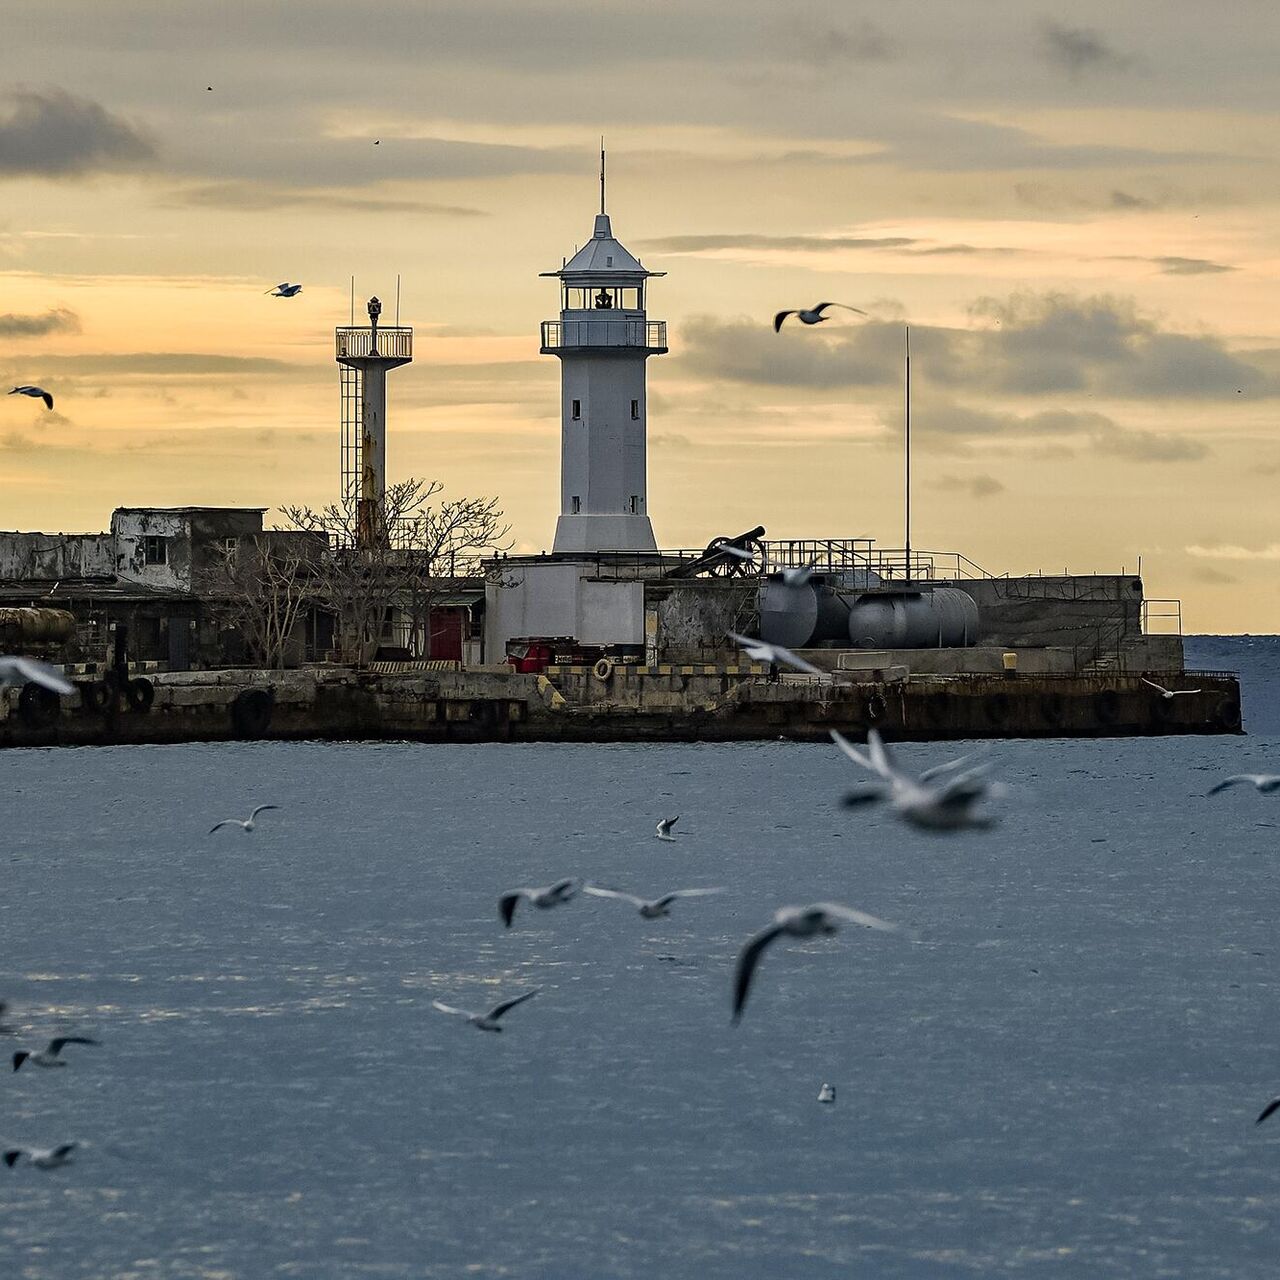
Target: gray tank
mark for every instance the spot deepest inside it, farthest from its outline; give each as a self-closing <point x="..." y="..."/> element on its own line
<point x="799" y="616"/>
<point x="942" y="618"/>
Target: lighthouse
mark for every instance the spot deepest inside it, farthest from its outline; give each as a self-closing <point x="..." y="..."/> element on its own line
<point x="603" y="340"/>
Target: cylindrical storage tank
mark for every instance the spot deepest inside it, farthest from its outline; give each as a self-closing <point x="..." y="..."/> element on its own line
<point x="832" y="622"/>
<point x="788" y="615"/>
<point x="943" y="618"/>
<point x="36" y="626"/>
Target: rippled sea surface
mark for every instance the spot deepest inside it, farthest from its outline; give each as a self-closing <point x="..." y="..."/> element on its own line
<point x="1059" y="1077"/>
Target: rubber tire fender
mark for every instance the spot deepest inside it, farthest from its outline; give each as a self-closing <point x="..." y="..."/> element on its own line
<point x="95" y="695"/>
<point x="603" y="670"/>
<point x="140" y="693"/>
<point x="37" y="705"/>
<point x="251" y="712"/>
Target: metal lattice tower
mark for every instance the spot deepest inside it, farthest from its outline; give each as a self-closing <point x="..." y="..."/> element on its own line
<point x="352" y="430"/>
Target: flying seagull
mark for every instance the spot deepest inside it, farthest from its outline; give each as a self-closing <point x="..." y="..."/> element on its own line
<point x="1265" y="782"/>
<point x="285" y="290"/>
<point x="1167" y="693"/>
<point x="486" y="1021"/>
<point x="813" y="315"/>
<point x="553" y="895"/>
<point x="52" y="1056"/>
<point x="728" y="549"/>
<point x="1270" y="1109"/>
<point x="37" y="393"/>
<point x="248" y="824"/>
<point x="653" y="909"/>
<point x="48" y="1158"/>
<point x="14" y="670"/>
<point x="821" y="918"/>
<point x="797" y="577"/>
<point x="761" y="651"/>
<point x="664" y="827"/>
<point x="940" y="799"/>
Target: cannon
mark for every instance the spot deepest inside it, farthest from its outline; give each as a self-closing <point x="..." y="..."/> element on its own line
<point x="734" y="557"/>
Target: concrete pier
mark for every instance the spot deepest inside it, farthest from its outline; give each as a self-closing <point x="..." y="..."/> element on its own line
<point x="696" y="702"/>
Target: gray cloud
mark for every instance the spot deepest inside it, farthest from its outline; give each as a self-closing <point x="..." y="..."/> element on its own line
<point x="1027" y="345"/>
<point x="1077" y="50"/>
<point x="255" y="197"/>
<point x="979" y="486"/>
<point x="806" y="244"/>
<point x="52" y="133"/>
<point x="56" y="320"/>
<point x="821" y="43"/>
<point x="165" y="364"/>
<point x="1213" y="577"/>
<point x="1127" y="200"/>
<point x="1190" y="266"/>
<point x="1148" y="446"/>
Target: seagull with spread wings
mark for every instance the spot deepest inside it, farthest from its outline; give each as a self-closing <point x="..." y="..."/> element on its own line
<point x="812" y="315"/>
<point x="486" y="1021"/>
<point x="649" y="908"/>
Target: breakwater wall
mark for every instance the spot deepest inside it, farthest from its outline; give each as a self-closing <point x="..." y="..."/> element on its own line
<point x="658" y="704"/>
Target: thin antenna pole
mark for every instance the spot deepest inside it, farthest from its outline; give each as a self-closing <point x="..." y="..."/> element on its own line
<point x="353" y="302"/>
<point x="908" y="449"/>
<point x="602" y="173"/>
<point x="397" y="299"/>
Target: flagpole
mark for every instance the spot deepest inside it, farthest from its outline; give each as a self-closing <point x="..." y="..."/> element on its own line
<point x="908" y="450"/>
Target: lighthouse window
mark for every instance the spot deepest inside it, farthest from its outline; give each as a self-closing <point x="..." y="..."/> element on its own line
<point x="635" y="504"/>
<point x="577" y="410"/>
<point x="577" y="504"/>
<point x="635" y="411"/>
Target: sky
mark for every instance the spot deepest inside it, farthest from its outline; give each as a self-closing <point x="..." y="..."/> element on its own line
<point x="1076" y="209"/>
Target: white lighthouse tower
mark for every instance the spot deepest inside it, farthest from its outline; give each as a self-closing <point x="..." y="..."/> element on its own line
<point x="603" y="340"/>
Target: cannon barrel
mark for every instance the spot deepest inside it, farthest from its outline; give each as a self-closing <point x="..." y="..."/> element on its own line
<point x="715" y="553"/>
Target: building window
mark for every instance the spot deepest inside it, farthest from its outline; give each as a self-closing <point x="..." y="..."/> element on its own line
<point x="635" y="504"/>
<point x="155" y="550"/>
<point x="577" y="504"/>
<point x="635" y="411"/>
<point x="577" y="410"/>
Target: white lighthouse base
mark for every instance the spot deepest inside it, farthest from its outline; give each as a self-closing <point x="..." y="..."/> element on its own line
<point x="589" y="534"/>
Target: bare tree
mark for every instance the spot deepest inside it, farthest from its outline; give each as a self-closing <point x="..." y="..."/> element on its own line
<point x="268" y="580"/>
<point x="427" y="546"/>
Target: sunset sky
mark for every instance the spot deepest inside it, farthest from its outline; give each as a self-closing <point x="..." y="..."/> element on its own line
<point x="1077" y="208"/>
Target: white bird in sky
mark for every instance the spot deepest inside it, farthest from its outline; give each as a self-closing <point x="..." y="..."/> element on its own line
<point x="37" y="393"/>
<point x="50" y="1056"/>
<point x="486" y="1021"/>
<point x="553" y="895"/>
<point x="1167" y="693"/>
<point x="246" y="824"/>
<point x="664" y="828"/>
<point x="812" y="315"/>
<point x="761" y="651"/>
<point x="285" y="290"/>
<point x="42" y="1158"/>
<point x="821" y="918"/>
<point x="941" y="799"/>
<point x="16" y="670"/>
<point x="650" y="909"/>
<point x="797" y="577"/>
<point x="1265" y="782"/>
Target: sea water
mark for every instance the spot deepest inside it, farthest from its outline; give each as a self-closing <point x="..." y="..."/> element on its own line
<point x="1056" y="1075"/>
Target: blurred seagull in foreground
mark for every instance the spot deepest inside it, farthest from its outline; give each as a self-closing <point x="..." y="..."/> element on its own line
<point x="553" y="895"/>
<point x="27" y="670"/>
<point x="1265" y="782"/>
<point x="1167" y="693"/>
<point x="285" y="290"/>
<point x="664" y="827"/>
<point x="49" y="1158"/>
<point x="941" y="799"/>
<point x="797" y="577"/>
<point x="51" y="1056"/>
<point x="248" y="823"/>
<point x="650" y="909"/>
<point x="1270" y="1109"/>
<point x="486" y="1021"/>
<point x="761" y="651"/>
<point x="813" y="315"/>
<point x="819" y="919"/>
<point x="36" y="393"/>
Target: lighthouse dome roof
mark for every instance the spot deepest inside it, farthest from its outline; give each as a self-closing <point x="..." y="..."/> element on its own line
<point x="603" y="260"/>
